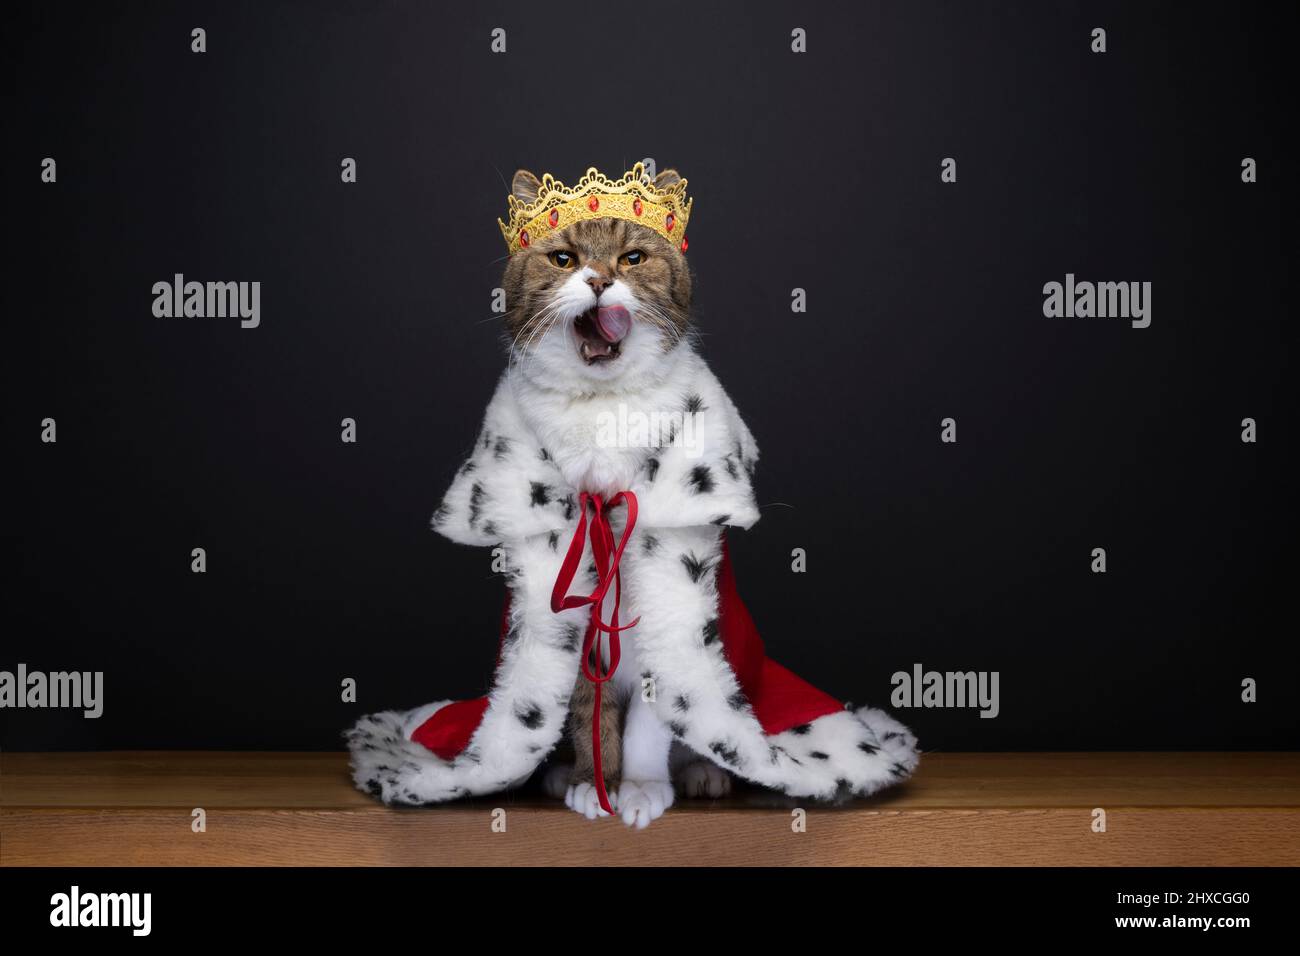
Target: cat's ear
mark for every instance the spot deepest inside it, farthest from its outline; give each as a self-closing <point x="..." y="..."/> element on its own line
<point x="524" y="186"/>
<point x="667" y="178"/>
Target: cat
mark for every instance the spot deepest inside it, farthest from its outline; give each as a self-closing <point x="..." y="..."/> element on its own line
<point x="599" y="331"/>
<point x="599" y="314"/>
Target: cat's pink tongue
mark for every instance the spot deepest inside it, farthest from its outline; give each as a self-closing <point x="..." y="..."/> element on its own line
<point x="613" y="322"/>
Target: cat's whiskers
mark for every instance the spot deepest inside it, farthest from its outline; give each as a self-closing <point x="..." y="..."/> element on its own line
<point x="555" y="318"/>
<point x="553" y="313"/>
<point x="545" y="316"/>
<point x="661" y="320"/>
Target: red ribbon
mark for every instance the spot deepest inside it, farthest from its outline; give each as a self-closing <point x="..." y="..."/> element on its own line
<point x="607" y="558"/>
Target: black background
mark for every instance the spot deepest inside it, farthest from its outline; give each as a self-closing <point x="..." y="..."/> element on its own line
<point x="818" y="171"/>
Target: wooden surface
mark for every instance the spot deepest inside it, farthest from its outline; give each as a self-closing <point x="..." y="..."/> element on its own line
<point x="1180" y="809"/>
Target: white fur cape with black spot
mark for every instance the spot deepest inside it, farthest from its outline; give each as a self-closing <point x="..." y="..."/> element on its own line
<point x="713" y="684"/>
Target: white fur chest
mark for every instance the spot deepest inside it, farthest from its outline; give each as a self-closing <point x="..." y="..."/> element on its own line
<point x="584" y="437"/>
<point x="677" y="442"/>
<point x="600" y="440"/>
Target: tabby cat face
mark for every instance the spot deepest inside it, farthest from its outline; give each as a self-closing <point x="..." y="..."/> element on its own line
<point x="600" y="302"/>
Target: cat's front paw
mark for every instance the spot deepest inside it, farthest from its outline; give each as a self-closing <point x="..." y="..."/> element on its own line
<point x="583" y="798"/>
<point x="640" y="801"/>
<point x="703" y="778"/>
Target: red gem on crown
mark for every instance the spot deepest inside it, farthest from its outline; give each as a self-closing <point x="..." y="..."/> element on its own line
<point x="523" y="238"/>
<point x="636" y="206"/>
<point x="669" y="222"/>
<point x="554" y="217"/>
<point x="685" y="244"/>
<point x="593" y="203"/>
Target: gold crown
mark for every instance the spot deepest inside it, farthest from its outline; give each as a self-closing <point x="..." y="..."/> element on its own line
<point x="633" y="198"/>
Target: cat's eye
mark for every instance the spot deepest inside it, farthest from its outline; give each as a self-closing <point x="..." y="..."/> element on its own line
<point x="633" y="258"/>
<point x="562" y="260"/>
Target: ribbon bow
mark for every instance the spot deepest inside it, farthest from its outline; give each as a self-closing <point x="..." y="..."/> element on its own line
<point x="607" y="558"/>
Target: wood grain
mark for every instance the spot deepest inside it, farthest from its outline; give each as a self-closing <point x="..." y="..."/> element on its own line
<point x="1177" y="809"/>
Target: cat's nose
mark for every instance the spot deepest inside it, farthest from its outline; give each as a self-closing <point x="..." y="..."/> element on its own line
<point x="598" y="283"/>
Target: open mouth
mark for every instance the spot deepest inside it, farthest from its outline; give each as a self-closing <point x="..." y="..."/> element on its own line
<point x="601" y="331"/>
